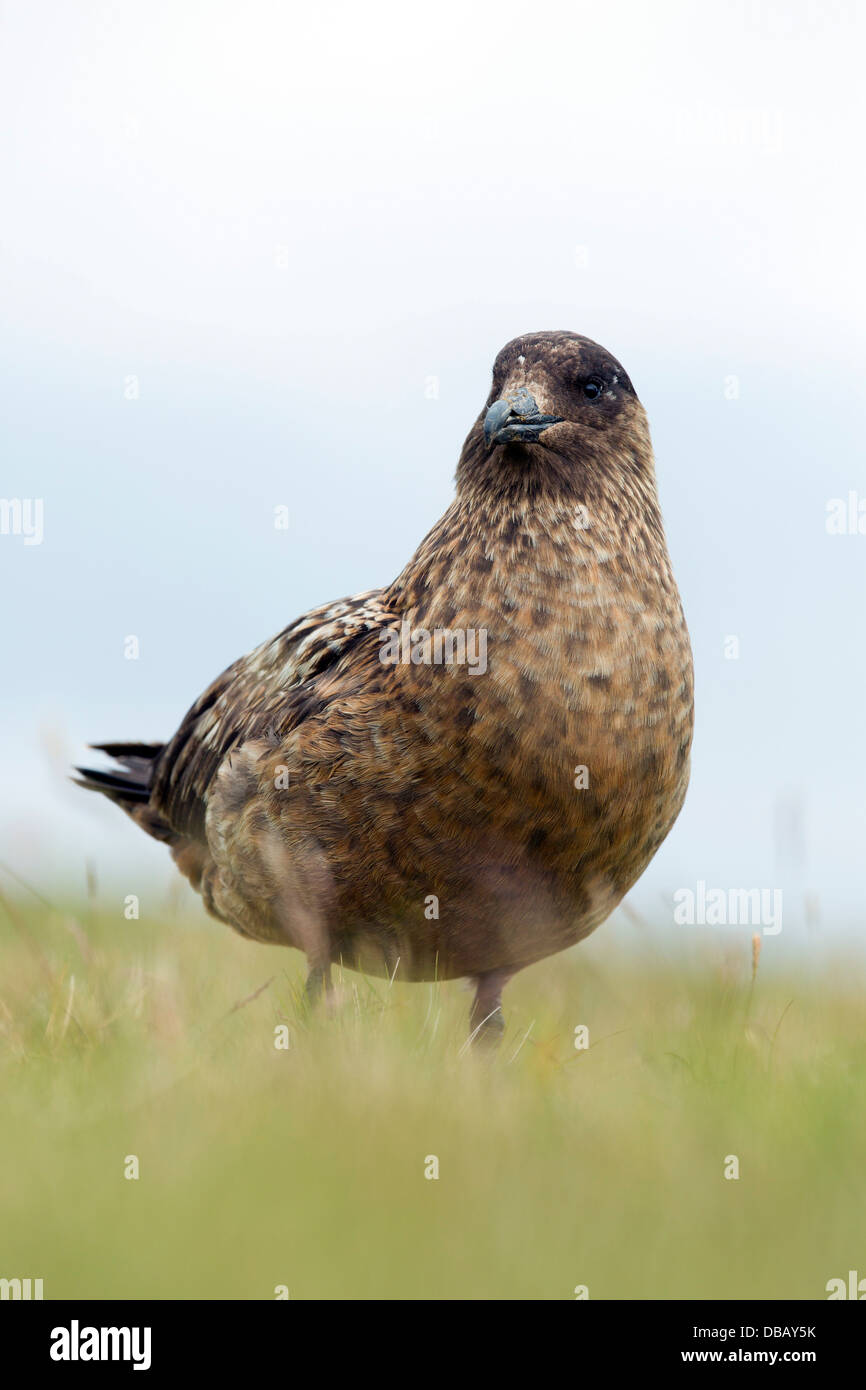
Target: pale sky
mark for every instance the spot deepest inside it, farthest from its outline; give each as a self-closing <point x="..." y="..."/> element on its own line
<point x="264" y="254"/>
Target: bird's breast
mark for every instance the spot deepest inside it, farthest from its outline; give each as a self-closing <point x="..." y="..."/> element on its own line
<point x="577" y="726"/>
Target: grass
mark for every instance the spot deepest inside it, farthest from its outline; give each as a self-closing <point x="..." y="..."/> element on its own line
<point x="305" y="1167"/>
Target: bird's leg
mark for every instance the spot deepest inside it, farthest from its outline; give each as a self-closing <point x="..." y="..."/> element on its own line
<point x="486" y="1023"/>
<point x="318" y="984"/>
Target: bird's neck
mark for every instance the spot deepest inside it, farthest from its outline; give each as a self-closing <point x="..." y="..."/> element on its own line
<point x="548" y="551"/>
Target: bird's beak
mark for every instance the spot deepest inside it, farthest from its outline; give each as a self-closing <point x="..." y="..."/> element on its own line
<point x="516" y="417"/>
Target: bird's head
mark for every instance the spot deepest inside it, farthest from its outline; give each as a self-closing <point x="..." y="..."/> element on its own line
<point x="560" y="408"/>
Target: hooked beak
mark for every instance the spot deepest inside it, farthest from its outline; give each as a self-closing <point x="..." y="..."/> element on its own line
<point x="516" y="417"/>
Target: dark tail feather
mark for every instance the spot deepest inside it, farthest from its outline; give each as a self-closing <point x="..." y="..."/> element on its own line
<point x="116" y="787"/>
<point x="138" y="758"/>
<point x="129" y="785"/>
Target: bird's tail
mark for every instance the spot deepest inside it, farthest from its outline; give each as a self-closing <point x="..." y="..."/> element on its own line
<point x="129" y="784"/>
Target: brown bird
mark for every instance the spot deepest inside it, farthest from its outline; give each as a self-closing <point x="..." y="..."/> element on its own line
<point x="464" y="772"/>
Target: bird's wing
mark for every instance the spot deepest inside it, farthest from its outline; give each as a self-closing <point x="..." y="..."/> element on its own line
<point x="272" y="689"/>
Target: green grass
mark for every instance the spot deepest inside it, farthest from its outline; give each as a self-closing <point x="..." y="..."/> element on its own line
<point x="305" y="1167"/>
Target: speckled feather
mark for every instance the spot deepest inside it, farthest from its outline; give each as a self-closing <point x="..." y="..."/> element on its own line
<point x="323" y="799"/>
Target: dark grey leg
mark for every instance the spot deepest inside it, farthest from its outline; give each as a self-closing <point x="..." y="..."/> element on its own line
<point x="486" y="1023"/>
<point x="318" y="984"/>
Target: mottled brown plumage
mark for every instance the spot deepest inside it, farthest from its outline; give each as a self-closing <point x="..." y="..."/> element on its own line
<point x="425" y="818"/>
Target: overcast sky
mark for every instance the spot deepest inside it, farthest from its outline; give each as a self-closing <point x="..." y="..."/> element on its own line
<point x="264" y="254"/>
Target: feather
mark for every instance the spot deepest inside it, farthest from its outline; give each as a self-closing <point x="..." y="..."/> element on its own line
<point x="348" y="790"/>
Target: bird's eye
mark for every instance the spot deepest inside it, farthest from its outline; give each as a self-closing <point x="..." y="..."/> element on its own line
<point x="592" y="388"/>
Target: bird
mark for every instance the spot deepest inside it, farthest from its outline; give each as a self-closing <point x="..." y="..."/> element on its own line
<point x="464" y="772"/>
